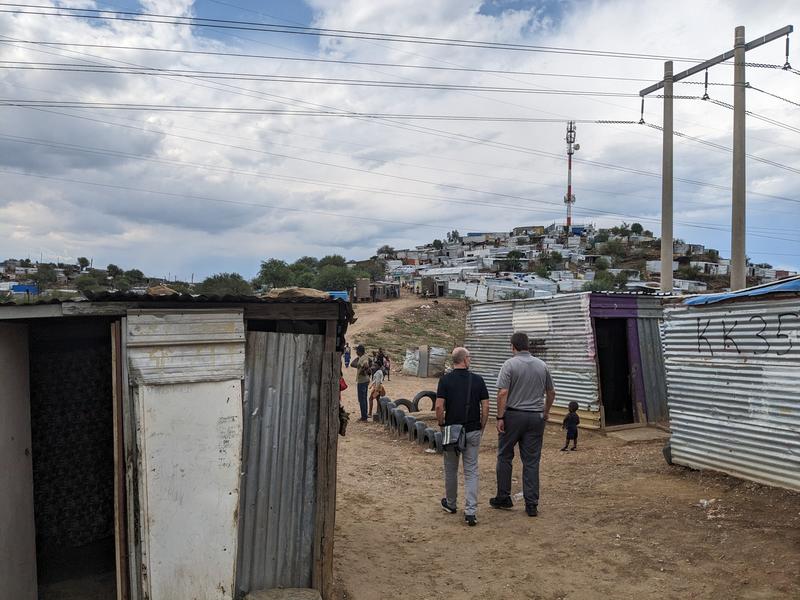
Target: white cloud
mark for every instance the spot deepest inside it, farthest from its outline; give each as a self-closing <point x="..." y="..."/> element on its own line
<point x="220" y="176"/>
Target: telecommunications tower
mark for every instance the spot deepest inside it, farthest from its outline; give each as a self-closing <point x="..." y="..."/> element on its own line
<point x="572" y="148"/>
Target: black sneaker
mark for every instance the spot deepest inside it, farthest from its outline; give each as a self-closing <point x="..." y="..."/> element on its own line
<point x="471" y="520"/>
<point x="501" y="503"/>
<point x="532" y="510"/>
<point x="446" y="508"/>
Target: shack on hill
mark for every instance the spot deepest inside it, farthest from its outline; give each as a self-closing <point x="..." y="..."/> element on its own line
<point x="169" y="446"/>
<point x="603" y="349"/>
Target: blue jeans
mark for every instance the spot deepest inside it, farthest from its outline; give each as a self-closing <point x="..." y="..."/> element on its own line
<point x="362" y="389"/>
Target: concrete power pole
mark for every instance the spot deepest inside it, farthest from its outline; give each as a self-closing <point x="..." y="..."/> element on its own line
<point x="666" y="184"/>
<point x="738" y="201"/>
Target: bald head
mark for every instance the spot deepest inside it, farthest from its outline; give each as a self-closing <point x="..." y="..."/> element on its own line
<point x="460" y="357"/>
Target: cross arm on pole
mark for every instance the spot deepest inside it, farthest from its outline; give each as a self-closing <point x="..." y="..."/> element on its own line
<point x="779" y="33"/>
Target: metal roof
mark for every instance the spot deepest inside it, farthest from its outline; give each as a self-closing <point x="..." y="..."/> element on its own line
<point x="173" y="299"/>
<point x="791" y="285"/>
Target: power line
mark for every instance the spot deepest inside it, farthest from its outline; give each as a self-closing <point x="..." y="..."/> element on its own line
<point x="118" y="15"/>
<point x="339" y="62"/>
<point x="711" y="144"/>
<point x="90" y="150"/>
<point x="281" y="112"/>
<point x="787" y="100"/>
<point x="76" y="68"/>
<point x="760" y="117"/>
<point x="471" y="139"/>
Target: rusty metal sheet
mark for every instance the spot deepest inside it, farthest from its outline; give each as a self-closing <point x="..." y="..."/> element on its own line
<point x="281" y="418"/>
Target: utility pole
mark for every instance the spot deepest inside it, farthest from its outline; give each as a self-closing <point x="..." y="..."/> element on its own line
<point x="666" y="184"/>
<point x="738" y="200"/>
<point x="572" y="147"/>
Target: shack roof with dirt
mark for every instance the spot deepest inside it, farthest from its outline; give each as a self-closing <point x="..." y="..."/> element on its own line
<point x="169" y="446"/>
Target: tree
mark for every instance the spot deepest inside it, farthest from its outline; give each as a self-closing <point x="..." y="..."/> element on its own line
<point x="603" y="282"/>
<point x="113" y="271"/>
<point x="302" y="274"/>
<point x="601" y="236"/>
<point x="453" y="236"/>
<point x="225" y="284"/>
<point x="688" y="272"/>
<point x="83" y="262"/>
<point x="274" y="273"/>
<point x="89" y="282"/>
<point x="637" y="228"/>
<point x="438" y="244"/>
<point x="647" y="233"/>
<point x="374" y="269"/>
<point x="135" y="276"/>
<point x="122" y="283"/>
<point x="45" y="277"/>
<point x="333" y="278"/>
<point x="615" y="248"/>
<point x="336" y="260"/>
<point x="307" y="261"/>
<point x="601" y="264"/>
<point x="386" y="250"/>
<point x="513" y="261"/>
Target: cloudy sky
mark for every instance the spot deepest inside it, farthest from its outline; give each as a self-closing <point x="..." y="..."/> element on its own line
<point x="202" y="192"/>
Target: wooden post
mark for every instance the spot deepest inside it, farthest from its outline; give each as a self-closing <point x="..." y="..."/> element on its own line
<point x="327" y="444"/>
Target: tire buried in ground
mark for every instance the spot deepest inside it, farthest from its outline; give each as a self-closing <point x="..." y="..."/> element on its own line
<point x="407" y="404"/>
<point x="420" y="427"/>
<point x="424" y="394"/>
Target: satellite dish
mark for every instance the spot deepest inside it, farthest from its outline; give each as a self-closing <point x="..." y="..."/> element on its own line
<point x="577" y="147"/>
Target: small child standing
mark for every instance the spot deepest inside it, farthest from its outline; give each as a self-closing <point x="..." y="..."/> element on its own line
<point x="570" y="423"/>
<point x="377" y="390"/>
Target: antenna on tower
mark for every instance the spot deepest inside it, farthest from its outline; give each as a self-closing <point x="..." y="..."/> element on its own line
<point x="572" y="148"/>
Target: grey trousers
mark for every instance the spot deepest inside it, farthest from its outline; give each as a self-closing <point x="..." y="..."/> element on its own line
<point x="527" y="430"/>
<point x="470" y="457"/>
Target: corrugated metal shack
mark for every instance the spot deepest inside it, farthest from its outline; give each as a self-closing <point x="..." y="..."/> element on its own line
<point x="733" y="375"/>
<point x="604" y="352"/>
<point x="169" y="446"/>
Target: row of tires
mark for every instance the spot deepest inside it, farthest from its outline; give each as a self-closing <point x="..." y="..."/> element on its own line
<point x="397" y="416"/>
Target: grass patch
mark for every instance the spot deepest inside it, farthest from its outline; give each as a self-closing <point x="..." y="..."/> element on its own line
<point x="441" y="325"/>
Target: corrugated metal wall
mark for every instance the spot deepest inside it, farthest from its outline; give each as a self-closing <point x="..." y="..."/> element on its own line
<point x="653" y="375"/>
<point x="733" y="375"/>
<point x="560" y="331"/>
<point x="489" y="327"/>
<point x="281" y="416"/>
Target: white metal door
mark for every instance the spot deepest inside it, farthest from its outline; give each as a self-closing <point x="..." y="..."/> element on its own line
<point x="17" y="527"/>
<point x="186" y="370"/>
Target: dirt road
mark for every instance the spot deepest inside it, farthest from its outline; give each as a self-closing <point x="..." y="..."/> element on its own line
<point x="615" y="521"/>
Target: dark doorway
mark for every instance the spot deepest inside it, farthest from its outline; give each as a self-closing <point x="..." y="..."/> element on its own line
<point x="72" y="439"/>
<point x="614" y="367"/>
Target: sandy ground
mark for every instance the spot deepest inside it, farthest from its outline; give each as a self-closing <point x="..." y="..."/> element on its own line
<point x="615" y="521"/>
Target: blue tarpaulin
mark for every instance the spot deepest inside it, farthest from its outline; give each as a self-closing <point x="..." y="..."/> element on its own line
<point x="784" y="286"/>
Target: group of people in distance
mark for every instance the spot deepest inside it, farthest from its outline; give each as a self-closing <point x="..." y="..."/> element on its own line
<point x="371" y="371"/>
<point x="525" y="395"/>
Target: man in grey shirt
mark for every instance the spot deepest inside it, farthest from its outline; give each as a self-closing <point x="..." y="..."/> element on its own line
<point x="525" y="395"/>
